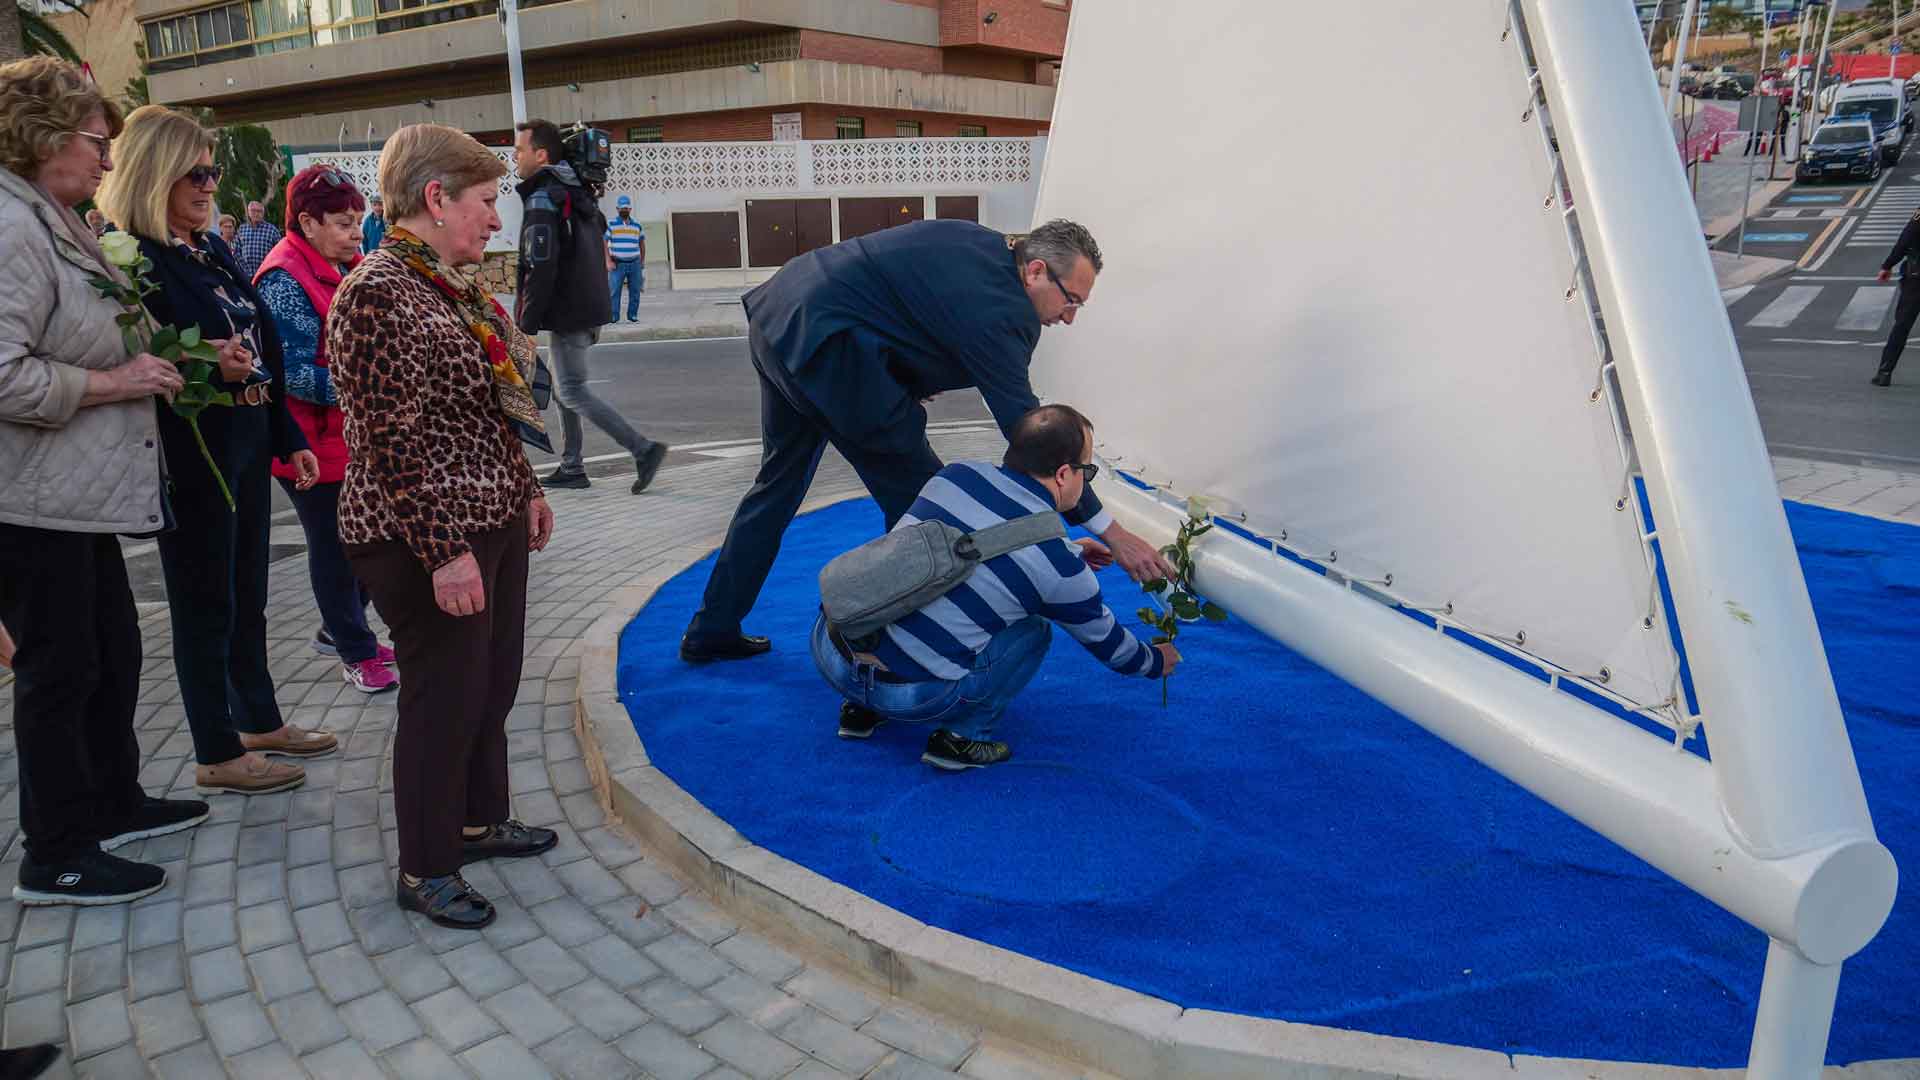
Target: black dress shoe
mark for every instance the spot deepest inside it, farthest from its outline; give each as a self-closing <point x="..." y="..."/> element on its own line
<point x="1883" y="379"/>
<point x="507" y="840"/>
<point x="699" y="650"/>
<point x="448" y="900"/>
<point x="27" y="1062"/>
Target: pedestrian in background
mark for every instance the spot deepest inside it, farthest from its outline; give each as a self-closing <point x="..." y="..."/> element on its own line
<point x="441" y="508"/>
<point x="78" y="464"/>
<point x="297" y="283"/>
<point x="1906" y="252"/>
<point x="626" y="260"/>
<point x="229" y="231"/>
<point x="254" y="239"/>
<point x="561" y="289"/>
<point x="374" y="228"/>
<point x="215" y="559"/>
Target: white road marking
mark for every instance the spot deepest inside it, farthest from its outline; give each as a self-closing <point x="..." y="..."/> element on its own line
<point x="1732" y="296"/>
<point x="1867" y="309"/>
<point x="1787" y="306"/>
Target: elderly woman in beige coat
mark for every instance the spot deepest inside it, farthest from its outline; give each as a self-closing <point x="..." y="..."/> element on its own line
<point x="79" y="462"/>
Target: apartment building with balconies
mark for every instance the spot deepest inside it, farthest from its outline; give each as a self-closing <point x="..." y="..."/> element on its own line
<point x="334" y="73"/>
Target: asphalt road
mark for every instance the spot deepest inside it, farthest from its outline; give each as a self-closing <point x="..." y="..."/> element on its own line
<point x="1811" y="339"/>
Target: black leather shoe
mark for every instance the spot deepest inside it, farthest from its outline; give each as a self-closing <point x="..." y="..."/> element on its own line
<point x="858" y="722"/>
<point x="448" y="900"/>
<point x="696" y="650"/>
<point x="645" y="465"/>
<point x="1883" y="379"/>
<point x="508" y="840"/>
<point x="27" y="1062"/>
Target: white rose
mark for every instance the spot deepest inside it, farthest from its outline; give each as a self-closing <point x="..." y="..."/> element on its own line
<point x="122" y="249"/>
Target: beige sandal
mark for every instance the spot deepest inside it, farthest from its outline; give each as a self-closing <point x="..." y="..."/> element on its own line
<point x="291" y="741"/>
<point x="248" y="774"/>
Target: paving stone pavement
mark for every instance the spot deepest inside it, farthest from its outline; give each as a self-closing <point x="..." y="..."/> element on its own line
<point x="275" y="949"/>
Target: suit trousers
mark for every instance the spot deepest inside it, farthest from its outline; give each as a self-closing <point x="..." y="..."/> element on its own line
<point x="462" y="673"/>
<point x="794" y="433"/>
<point x="1906" y="310"/>
<point x="65" y="600"/>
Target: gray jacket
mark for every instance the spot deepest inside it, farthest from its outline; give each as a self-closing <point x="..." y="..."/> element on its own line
<point x="62" y="467"/>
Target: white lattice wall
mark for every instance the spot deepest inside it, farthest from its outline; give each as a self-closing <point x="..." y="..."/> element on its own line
<point x="664" y="178"/>
<point x="922" y="162"/>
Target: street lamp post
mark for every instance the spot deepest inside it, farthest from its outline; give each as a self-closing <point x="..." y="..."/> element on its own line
<point x="516" y="77"/>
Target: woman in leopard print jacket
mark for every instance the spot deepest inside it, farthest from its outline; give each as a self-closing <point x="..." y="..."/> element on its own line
<point x="440" y="508"/>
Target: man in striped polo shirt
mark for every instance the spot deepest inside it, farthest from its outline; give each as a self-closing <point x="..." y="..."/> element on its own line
<point x="960" y="660"/>
<point x="626" y="259"/>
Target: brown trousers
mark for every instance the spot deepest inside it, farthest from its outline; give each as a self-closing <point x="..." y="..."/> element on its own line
<point x="458" y="679"/>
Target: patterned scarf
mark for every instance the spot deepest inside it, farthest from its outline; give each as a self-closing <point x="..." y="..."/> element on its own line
<point x="519" y="383"/>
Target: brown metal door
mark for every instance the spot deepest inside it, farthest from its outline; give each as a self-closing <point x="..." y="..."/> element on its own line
<point x="960" y="207"/>
<point x="858" y="217"/>
<point x="813" y="224"/>
<point x="771" y="236"/>
<point x="706" y="241"/>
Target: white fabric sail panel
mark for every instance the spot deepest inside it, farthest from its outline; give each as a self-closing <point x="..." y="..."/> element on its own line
<point x="1335" y="295"/>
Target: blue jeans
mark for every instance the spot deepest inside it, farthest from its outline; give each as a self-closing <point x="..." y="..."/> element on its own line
<point x="631" y="273"/>
<point x="969" y="706"/>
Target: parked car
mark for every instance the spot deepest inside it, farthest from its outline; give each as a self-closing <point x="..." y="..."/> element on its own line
<point x="1843" y="148"/>
<point x="1883" y="105"/>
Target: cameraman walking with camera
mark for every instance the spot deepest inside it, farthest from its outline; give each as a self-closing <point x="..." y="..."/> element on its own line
<point x="563" y="288"/>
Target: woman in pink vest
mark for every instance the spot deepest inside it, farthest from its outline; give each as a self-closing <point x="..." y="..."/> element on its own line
<point x="296" y="282"/>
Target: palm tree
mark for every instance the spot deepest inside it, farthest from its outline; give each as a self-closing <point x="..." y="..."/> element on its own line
<point x="42" y="38"/>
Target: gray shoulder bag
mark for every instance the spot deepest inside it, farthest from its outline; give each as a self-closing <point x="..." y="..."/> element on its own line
<point x="886" y="579"/>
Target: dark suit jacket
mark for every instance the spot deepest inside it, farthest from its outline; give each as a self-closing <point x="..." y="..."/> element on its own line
<point x="866" y="328"/>
<point x="185" y="298"/>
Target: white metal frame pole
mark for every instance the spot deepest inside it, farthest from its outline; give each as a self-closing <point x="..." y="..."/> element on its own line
<point x="1800" y="50"/>
<point x="1680" y="55"/>
<point x="1820" y="65"/>
<point x="1783" y="764"/>
<point x="516" y="76"/>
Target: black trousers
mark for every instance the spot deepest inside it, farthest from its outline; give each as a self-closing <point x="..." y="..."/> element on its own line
<point x="65" y="600"/>
<point x="1905" y="312"/>
<point x="793" y="435"/>
<point x="215" y="566"/>
<point x="462" y="673"/>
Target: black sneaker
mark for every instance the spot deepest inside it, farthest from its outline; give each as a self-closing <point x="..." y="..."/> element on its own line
<point x="701" y="650"/>
<point x="951" y="752"/>
<point x="154" y="817"/>
<point x="645" y="465"/>
<point x="89" y="878"/>
<point x="323" y="643"/>
<point x="857" y="722"/>
<point x="572" y="481"/>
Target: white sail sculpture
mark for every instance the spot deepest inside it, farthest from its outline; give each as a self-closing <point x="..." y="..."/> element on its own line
<point x="1426" y="314"/>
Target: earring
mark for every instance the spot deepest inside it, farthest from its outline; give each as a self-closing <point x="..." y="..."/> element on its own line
<point x="439" y="223"/>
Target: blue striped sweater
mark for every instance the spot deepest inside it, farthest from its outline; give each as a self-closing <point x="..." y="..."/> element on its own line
<point x="941" y="640"/>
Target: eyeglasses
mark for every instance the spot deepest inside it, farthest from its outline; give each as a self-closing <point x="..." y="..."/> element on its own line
<point x="333" y="177"/>
<point x="203" y="175"/>
<point x="1072" y="300"/>
<point x="1091" y="470"/>
<point x="101" y="143"/>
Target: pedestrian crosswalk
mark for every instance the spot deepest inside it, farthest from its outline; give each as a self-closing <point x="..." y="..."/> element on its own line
<point x="1811" y="309"/>
<point x="1886" y="216"/>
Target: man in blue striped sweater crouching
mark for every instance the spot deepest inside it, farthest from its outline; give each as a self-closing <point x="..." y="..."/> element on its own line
<point x="960" y="660"/>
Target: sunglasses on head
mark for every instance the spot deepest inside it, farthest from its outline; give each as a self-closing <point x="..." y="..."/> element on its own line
<point x="332" y="177"/>
<point x="202" y="175"/>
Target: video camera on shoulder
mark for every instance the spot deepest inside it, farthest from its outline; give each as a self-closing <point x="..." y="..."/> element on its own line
<point x="590" y="152"/>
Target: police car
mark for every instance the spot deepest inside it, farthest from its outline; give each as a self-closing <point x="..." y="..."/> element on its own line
<point x="1845" y="147"/>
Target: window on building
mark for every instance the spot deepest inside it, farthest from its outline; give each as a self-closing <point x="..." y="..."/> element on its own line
<point x="849" y="127"/>
<point x="646" y="133"/>
<point x="906" y="129"/>
<point x="973" y="131"/>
